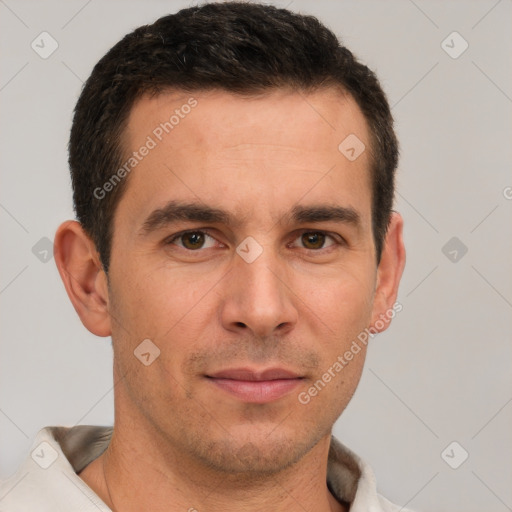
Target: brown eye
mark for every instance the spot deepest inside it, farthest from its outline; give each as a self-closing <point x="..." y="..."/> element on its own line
<point x="193" y="240"/>
<point x="318" y="241"/>
<point x="313" y="240"/>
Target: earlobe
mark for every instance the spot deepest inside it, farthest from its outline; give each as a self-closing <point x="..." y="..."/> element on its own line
<point x="389" y="273"/>
<point x="83" y="277"/>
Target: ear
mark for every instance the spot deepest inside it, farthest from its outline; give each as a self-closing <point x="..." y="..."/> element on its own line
<point x="82" y="273"/>
<point x="389" y="272"/>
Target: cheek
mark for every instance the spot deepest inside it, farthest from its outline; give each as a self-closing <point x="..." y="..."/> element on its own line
<point x="338" y="313"/>
<point x="153" y="303"/>
<point x="166" y="306"/>
<point x="150" y="339"/>
<point x="341" y="302"/>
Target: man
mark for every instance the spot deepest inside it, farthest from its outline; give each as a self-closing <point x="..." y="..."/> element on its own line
<point x="233" y="174"/>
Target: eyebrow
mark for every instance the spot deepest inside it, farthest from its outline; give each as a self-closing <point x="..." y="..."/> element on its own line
<point x="175" y="211"/>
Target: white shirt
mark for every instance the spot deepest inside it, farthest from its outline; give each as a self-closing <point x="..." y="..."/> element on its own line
<point x="48" y="481"/>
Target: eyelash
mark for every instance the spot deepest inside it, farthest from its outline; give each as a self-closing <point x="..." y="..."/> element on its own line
<point x="177" y="236"/>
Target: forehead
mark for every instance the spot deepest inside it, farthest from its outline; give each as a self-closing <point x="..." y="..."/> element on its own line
<point x="221" y="117"/>
<point x="264" y="150"/>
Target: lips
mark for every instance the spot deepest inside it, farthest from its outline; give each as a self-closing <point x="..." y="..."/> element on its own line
<point x="256" y="386"/>
<point x="251" y="375"/>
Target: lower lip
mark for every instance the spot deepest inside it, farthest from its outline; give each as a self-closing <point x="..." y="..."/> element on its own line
<point x="257" y="391"/>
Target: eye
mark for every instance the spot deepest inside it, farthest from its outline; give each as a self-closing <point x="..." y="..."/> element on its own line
<point x="192" y="240"/>
<point x="315" y="240"/>
<point x="199" y="239"/>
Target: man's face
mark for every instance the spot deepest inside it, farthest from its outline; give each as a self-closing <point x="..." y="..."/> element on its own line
<point x="220" y="317"/>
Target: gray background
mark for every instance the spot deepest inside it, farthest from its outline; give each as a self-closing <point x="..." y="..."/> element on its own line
<point x="440" y="374"/>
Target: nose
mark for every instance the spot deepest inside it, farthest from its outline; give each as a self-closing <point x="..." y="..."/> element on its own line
<point x="259" y="297"/>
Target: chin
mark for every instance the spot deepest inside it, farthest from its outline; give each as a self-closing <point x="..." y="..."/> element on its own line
<point x="254" y="455"/>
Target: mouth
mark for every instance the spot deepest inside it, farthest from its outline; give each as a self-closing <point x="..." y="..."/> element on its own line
<point x="253" y="386"/>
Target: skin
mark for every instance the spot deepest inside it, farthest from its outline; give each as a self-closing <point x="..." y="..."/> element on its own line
<point x="179" y="441"/>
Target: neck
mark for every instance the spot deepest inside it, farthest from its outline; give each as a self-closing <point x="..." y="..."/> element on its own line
<point x="133" y="475"/>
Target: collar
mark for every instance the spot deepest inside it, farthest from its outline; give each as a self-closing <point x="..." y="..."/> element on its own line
<point x="48" y="479"/>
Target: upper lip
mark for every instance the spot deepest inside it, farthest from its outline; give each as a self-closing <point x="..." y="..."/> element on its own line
<point x="255" y="375"/>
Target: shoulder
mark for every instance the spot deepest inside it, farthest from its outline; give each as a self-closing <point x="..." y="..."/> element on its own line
<point x="352" y="479"/>
<point x="47" y="480"/>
